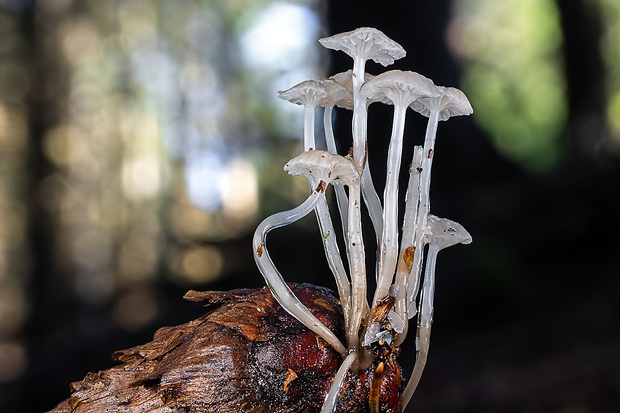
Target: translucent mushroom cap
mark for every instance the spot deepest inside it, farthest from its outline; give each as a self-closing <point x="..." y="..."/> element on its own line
<point x="446" y="233"/>
<point x="323" y="166"/>
<point x="308" y="93"/>
<point x="452" y="102"/>
<point x="400" y="87"/>
<point x="335" y="92"/>
<point x="345" y="79"/>
<point x="366" y="43"/>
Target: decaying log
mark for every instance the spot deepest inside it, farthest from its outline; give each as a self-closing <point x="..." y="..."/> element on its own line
<point x="246" y="354"/>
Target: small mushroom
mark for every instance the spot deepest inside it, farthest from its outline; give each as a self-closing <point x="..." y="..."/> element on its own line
<point x="401" y="89"/>
<point x="363" y="44"/>
<point x="451" y="102"/>
<point x="442" y="233"/>
<point x="324" y="168"/>
<point x="332" y="164"/>
<point x="366" y="43"/>
<point x="309" y="94"/>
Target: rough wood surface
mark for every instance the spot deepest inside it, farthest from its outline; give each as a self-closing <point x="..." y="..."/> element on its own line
<point x="246" y="354"/>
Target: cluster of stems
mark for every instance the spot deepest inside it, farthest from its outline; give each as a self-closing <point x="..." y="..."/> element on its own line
<point x="402" y="253"/>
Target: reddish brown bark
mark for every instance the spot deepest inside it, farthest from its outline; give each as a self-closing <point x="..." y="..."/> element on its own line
<point x="245" y="355"/>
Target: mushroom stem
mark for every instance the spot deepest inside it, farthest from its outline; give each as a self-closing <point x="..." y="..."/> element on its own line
<point x="326" y="227"/>
<point x="414" y="279"/>
<point x="357" y="264"/>
<point x="359" y="113"/>
<point x="425" y="320"/>
<point x="357" y="253"/>
<point x="309" y="141"/>
<point x="412" y="202"/>
<point x="427" y="162"/>
<point x="428" y="288"/>
<point x="422" y="340"/>
<point x="341" y="195"/>
<point x="372" y="201"/>
<point x="441" y="233"/>
<point x="424" y="209"/>
<point x="331" y="400"/>
<point x="401" y="89"/>
<point x="332" y="254"/>
<point x="404" y="273"/>
<point x="274" y="279"/>
<point x="360" y="153"/>
<point x="388" y="249"/>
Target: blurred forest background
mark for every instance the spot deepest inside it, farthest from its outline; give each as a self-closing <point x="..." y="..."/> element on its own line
<point x="141" y="142"/>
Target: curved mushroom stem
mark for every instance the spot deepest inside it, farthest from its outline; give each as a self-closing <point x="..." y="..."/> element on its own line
<point x="274" y="279"/>
<point x="425" y="320"/>
<point x="404" y="273"/>
<point x="422" y="340"/>
<point x="331" y="400"/>
<point x="388" y="249"/>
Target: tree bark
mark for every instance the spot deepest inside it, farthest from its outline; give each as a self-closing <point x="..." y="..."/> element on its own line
<point x="246" y="354"/>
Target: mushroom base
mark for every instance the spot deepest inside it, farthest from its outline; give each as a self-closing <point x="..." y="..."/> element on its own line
<point x="246" y="354"/>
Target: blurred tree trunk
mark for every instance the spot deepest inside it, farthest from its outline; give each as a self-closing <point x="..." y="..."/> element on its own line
<point x="585" y="74"/>
<point x="43" y="90"/>
<point x="46" y="99"/>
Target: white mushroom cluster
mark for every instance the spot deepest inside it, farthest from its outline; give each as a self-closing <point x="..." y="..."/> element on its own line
<point x="401" y="247"/>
